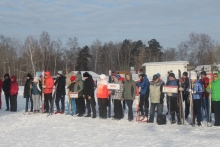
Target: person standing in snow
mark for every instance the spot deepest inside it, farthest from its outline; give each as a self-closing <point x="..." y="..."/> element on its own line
<point x="6" y="89"/>
<point x="88" y="94"/>
<point x="185" y="93"/>
<point x="102" y="95"/>
<point x="60" y="92"/>
<point x="27" y="92"/>
<point x="128" y="94"/>
<point x="117" y="95"/>
<point x="213" y="88"/>
<point x="36" y="93"/>
<point x="144" y="94"/>
<point x="196" y="92"/>
<point x="1" y="83"/>
<point x="173" y="97"/>
<point x="205" y="96"/>
<point x="13" y="93"/>
<point x="156" y="97"/>
<point x="78" y="88"/>
<point x="167" y="97"/>
<point x="72" y="100"/>
<point x="48" y="89"/>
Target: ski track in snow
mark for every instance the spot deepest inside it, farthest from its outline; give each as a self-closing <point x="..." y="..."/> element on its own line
<point x="18" y="130"/>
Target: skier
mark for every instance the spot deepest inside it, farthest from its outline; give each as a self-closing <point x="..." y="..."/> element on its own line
<point x="173" y="97"/>
<point x="167" y="97"/>
<point x="27" y="92"/>
<point x="185" y="85"/>
<point x="213" y="88"/>
<point x="78" y="88"/>
<point x="48" y="89"/>
<point x="117" y="95"/>
<point x="60" y="92"/>
<point x="1" y="83"/>
<point x="205" y="96"/>
<point x="102" y="95"/>
<point x="13" y="93"/>
<point x="6" y="89"/>
<point x="129" y="94"/>
<point x="36" y="93"/>
<point x="144" y="95"/>
<point x="156" y="97"/>
<point x="88" y="94"/>
<point x="196" y="92"/>
<point x="72" y="100"/>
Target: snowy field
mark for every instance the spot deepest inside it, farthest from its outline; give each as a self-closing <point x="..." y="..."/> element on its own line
<point x="37" y="130"/>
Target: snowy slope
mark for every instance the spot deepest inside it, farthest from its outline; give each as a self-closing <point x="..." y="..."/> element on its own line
<point x="18" y="130"/>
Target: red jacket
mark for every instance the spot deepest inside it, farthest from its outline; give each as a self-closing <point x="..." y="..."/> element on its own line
<point x="205" y="83"/>
<point x="49" y="83"/>
<point x="14" y="86"/>
<point x="1" y="83"/>
<point x="102" y="91"/>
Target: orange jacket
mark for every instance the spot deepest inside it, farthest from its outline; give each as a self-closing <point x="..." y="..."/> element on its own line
<point x="49" y="83"/>
<point x="102" y="91"/>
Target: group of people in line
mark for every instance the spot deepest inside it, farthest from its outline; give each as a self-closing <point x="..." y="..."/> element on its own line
<point x="149" y="91"/>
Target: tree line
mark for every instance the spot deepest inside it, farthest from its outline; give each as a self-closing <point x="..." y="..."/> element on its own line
<point x="19" y="58"/>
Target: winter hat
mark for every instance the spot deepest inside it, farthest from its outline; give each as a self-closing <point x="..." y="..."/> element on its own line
<point x="86" y="74"/>
<point x="193" y="75"/>
<point x="36" y="79"/>
<point x="172" y="75"/>
<point x="6" y="75"/>
<point x="158" y="74"/>
<point x="14" y="78"/>
<point x="72" y="78"/>
<point x="203" y="73"/>
<point x="29" y="75"/>
<point x="117" y="77"/>
<point x="185" y="73"/>
<point x="60" y="73"/>
<point x="102" y="77"/>
<point x="155" y="77"/>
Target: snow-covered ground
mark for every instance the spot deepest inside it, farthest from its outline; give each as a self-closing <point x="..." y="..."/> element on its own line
<point x="18" y="130"/>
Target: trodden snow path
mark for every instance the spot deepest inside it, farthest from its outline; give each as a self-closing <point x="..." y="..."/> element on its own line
<point x="17" y="130"/>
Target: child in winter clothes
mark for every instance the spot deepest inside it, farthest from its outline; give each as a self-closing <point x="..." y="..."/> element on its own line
<point x="102" y="95"/>
<point x="13" y="93"/>
<point x="117" y="95"/>
<point x="36" y="92"/>
<point x="72" y="101"/>
<point x="196" y="92"/>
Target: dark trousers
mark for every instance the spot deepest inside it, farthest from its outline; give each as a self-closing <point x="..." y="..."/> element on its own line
<point x="62" y="99"/>
<point x="47" y="101"/>
<point x="168" y="103"/>
<point x="76" y="102"/>
<point x="130" y="111"/>
<point x="118" y="112"/>
<point x="8" y="101"/>
<point x="103" y="102"/>
<point x="216" y="107"/>
<point x="152" y="110"/>
<point x="91" y="103"/>
<point x="27" y="101"/>
<point x="124" y="106"/>
<point x="174" y="108"/>
<point x="197" y="110"/>
<point x="187" y="104"/>
<point x="144" y="102"/>
<point x="81" y="105"/>
<point x="13" y="100"/>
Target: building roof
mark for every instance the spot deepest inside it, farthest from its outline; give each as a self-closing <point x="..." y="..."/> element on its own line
<point x="167" y="63"/>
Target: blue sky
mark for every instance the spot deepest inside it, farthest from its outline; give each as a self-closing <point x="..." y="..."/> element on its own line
<point x="168" y="21"/>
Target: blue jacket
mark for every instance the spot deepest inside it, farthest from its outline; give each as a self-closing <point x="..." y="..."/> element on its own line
<point x="198" y="89"/>
<point x="36" y="89"/>
<point x="144" y="85"/>
<point x="173" y="83"/>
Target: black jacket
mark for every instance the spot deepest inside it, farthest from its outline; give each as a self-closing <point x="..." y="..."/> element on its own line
<point x="6" y="86"/>
<point x="185" y="85"/>
<point x="88" y="88"/>
<point x="61" y="83"/>
<point x="27" y="88"/>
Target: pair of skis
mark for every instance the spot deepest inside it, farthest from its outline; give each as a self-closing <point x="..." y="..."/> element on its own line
<point x="182" y="114"/>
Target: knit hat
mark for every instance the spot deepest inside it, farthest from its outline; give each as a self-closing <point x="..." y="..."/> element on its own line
<point x="117" y="77"/>
<point x="29" y="75"/>
<point x="155" y="77"/>
<point x="193" y="75"/>
<point x="60" y="73"/>
<point x="86" y="74"/>
<point x="158" y="74"/>
<point x="203" y="73"/>
<point x="102" y="77"/>
<point x="172" y="75"/>
<point x="185" y="73"/>
<point x="72" y="78"/>
<point x="35" y="79"/>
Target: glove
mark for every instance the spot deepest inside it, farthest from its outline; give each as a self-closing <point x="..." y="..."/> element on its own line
<point x="169" y="94"/>
<point x="44" y="86"/>
<point x="209" y="91"/>
<point x="181" y="89"/>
